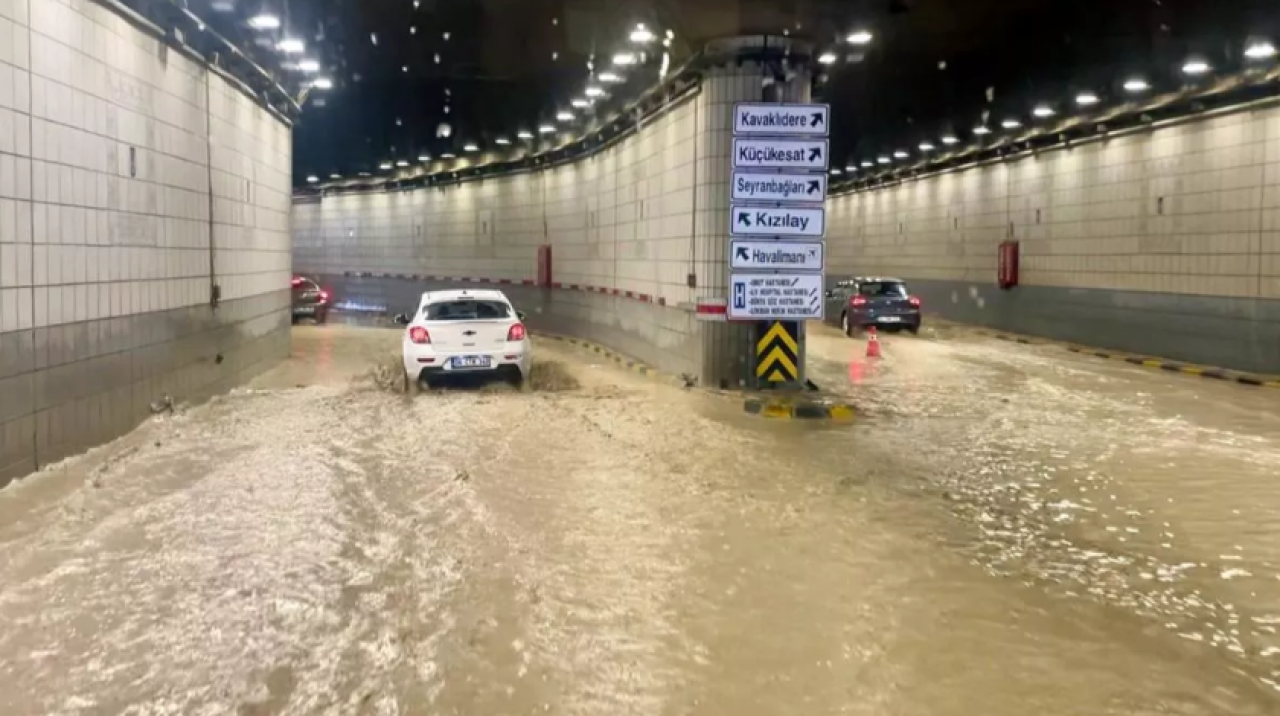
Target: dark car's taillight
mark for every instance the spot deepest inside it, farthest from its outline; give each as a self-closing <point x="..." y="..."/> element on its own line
<point x="858" y="301"/>
<point x="913" y="301"/>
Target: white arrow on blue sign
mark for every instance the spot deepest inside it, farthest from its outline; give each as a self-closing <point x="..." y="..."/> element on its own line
<point x="809" y="120"/>
<point x="774" y="153"/>
<point x="792" y="188"/>
<point x="777" y="221"/>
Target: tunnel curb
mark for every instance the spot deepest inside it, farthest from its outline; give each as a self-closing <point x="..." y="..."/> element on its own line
<point x="790" y="409"/>
<point x="1172" y="366"/>
<point x="627" y="363"/>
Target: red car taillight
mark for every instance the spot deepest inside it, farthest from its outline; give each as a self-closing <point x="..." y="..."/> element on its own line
<point x="516" y="333"/>
<point x="297" y="282"/>
<point x="913" y="301"/>
<point x="324" y="297"/>
<point x="419" y="335"/>
<point x="858" y="301"/>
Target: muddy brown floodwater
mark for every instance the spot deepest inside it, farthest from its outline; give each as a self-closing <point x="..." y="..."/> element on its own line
<point x="1005" y="530"/>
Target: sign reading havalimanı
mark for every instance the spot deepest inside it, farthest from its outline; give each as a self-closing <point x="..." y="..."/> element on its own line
<point x="772" y="254"/>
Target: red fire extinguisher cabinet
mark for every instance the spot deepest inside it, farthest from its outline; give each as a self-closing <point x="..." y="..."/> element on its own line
<point x="1007" y="265"/>
<point x="544" y="265"/>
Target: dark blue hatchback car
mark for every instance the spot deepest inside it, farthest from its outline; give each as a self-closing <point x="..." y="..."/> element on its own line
<point x="883" y="302"/>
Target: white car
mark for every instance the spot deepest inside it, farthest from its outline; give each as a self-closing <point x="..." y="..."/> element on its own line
<point x="464" y="332"/>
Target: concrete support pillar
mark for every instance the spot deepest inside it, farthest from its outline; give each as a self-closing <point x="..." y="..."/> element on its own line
<point x="754" y="69"/>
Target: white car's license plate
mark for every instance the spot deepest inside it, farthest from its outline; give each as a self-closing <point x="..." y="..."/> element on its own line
<point x="471" y="361"/>
<point x="890" y="319"/>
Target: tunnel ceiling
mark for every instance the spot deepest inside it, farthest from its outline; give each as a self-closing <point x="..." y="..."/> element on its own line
<point x="403" y="70"/>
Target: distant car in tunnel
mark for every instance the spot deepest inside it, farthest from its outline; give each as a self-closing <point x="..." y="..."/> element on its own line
<point x="464" y="333"/>
<point x="859" y="303"/>
<point x="309" y="300"/>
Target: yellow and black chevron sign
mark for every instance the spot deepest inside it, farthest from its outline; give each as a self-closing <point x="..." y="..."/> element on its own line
<point x="778" y="353"/>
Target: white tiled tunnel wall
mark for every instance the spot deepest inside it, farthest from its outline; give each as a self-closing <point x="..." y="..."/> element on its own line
<point x="105" y="227"/>
<point x="1192" y="208"/>
<point x="621" y="219"/>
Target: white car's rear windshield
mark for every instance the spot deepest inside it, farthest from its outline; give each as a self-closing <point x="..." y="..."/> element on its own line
<point x="466" y="310"/>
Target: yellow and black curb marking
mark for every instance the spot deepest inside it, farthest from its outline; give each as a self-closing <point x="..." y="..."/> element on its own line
<point x="789" y="409"/>
<point x="625" y="362"/>
<point x="1222" y="374"/>
<point x="778" y="353"/>
<point x="1184" y="368"/>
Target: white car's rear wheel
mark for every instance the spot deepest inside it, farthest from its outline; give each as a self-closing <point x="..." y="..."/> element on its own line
<point x="412" y="384"/>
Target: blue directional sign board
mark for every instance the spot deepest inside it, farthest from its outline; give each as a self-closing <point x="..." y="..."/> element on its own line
<point x="767" y="186"/>
<point x="786" y="120"/>
<point x="779" y="191"/>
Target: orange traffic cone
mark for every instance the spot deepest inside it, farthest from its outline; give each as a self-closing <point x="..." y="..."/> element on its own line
<point x="873" y="343"/>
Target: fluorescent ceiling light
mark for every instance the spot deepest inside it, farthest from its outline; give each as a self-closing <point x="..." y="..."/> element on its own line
<point x="981" y="130"/>
<point x="322" y="83"/>
<point x="1195" y="67"/>
<point x="384" y="166"/>
<point x="827" y="58"/>
<point x="624" y="58"/>
<point x="835" y="172"/>
<point x="447" y="155"/>
<point x="290" y="45"/>
<point x="1085" y="99"/>
<point x="402" y="162"/>
<point x="926" y="147"/>
<point x="1136" y="84"/>
<point x="610" y="77"/>
<point x="308" y="65"/>
<point x="503" y="141"/>
<point x="424" y="158"/>
<point x="594" y="91"/>
<point x="470" y="147"/>
<point x="1011" y="123"/>
<point x="860" y="37"/>
<point x="564" y="116"/>
<point x="335" y="175"/>
<point x="641" y="34"/>
<point x="868" y="163"/>
<point x="312" y="179"/>
<point x="900" y="154"/>
<point x="222" y="6"/>
<point x="850" y="168"/>
<point x="580" y="103"/>
<point x="264" y="22"/>
<point x="950" y="139"/>
<point x="546" y="129"/>
<point x="1043" y="110"/>
<point x="524" y="134"/>
<point x="883" y="160"/>
<point x="1260" y="51"/>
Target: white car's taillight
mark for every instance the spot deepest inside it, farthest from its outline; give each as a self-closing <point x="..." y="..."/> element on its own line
<point x="419" y="335"/>
<point x="516" y="333"/>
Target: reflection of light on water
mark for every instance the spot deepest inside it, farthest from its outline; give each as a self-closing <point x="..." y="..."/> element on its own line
<point x="360" y="307"/>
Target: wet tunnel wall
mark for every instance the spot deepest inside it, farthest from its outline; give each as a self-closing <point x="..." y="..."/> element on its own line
<point x="132" y="181"/>
<point x="1164" y="242"/>
<point x="619" y="224"/>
